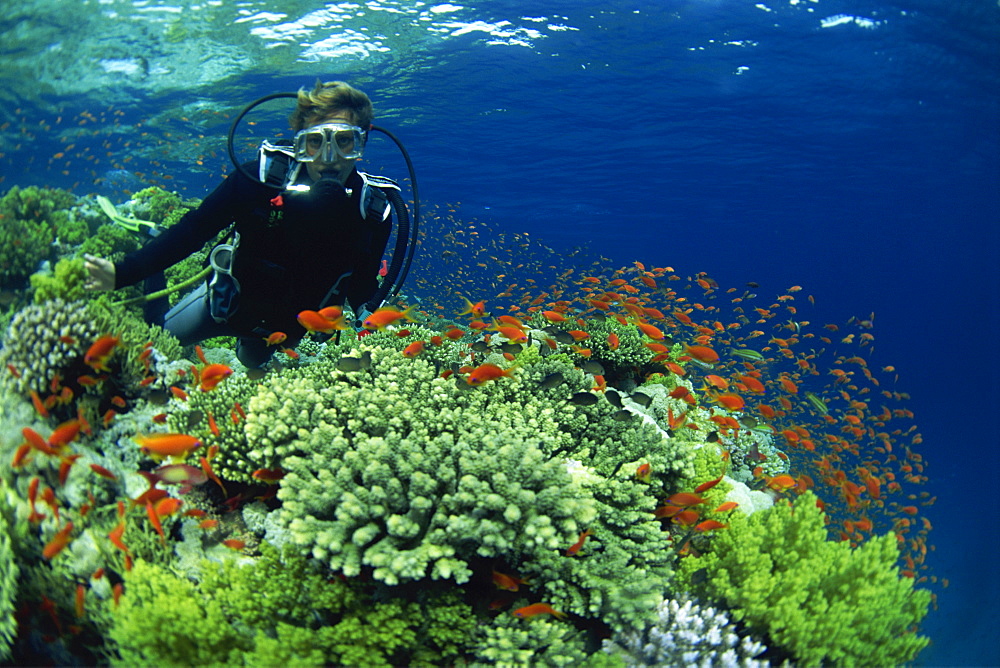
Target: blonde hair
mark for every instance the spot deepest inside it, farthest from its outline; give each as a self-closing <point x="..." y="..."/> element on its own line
<point x="328" y="98"/>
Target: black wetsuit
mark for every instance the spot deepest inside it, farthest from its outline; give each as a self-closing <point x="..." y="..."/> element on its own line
<point x="290" y="253"/>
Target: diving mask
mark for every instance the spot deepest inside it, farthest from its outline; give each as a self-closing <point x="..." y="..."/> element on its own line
<point x="326" y="141"/>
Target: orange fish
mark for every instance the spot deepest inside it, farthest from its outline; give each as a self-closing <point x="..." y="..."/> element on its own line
<point x="752" y="384"/>
<point x="732" y="402"/>
<point x="644" y="472"/>
<point x="703" y="354"/>
<point x="717" y="382"/>
<point x="613" y="341"/>
<point x="39" y="405"/>
<point x="270" y="476"/>
<point x="315" y="322"/>
<point x="99" y="352"/>
<point x="385" y="316"/>
<point x="685" y="499"/>
<point x="685" y="517"/>
<point x="212" y="375"/>
<point x="159" y="446"/>
<point x="529" y="611"/>
<point x="274" y="338"/>
<point x="37" y="442"/>
<point x="477" y="310"/>
<point x="234" y="544"/>
<point x="155" y="520"/>
<point x="666" y="511"/>
<point x="705" y="486"/>
<point x="207" y="468"/>
<point x="167" y="507"/>
<point x="332" y="313"/>
<point x="58" y="542"/>
<point x="413" y="349"/>
<point x="651" y="331"/>
<point x="725" y="507"/>
<point x="781" y="483"/>
<point x="486" y="372"/>
<point x="575" y="547"/>
<point x="709" y="525"/>
<point x="554" y="316"/>
<point x="512" y="334"/>
<point x="507" y="582"/>
<point x="81" y="593"/>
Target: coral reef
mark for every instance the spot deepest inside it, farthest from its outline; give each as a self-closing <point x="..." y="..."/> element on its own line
<point x="9" y="573"/>
<point x="64" y="282"/>
<point x="279" y="609"/>
<point x="507" y="492"/>
<point x="686" y="634"/>
<point x="824" y="601"/>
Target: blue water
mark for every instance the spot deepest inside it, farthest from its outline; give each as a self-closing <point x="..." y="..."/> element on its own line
<point x="848" y="146"/>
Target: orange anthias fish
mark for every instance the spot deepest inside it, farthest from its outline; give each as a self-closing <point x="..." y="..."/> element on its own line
<point x="317" y="322"/>
<point x="684" y="499"/>
<point x="703" y="354"/>
<point x="99" y="352"/>
<point x="709" y="525"/>
<point x="486" y="372"/>
<point x="58" y="542"/>
<point x="159" y="446"/>
<point x="212" y="375"/>
<point x="529" y="611"/>
<point x="705" y="486"/>
<point x="269" y="476"/>
<point x="332" y="313"/>
<point x="575" y="547"/>
<point x="385" y="316"/>
<point x="781" y="483"/>
<point x="511" y="333"/>
<point x="413" y="349"/>
<point x="274" y="338"/>
<point x="507" y="582"/>
<point x="475" y="311"/>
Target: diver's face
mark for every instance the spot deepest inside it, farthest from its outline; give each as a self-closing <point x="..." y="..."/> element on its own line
<point x="340" y="168"/>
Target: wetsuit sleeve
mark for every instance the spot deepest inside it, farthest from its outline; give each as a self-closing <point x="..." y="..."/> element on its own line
<point x="233" y="198"/>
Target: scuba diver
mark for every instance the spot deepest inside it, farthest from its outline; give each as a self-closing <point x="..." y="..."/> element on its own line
<point x="309" y="232"/>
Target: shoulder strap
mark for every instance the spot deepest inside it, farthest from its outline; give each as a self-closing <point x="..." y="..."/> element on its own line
<point x="374" y="202"/>
<point x="274" y="162"/>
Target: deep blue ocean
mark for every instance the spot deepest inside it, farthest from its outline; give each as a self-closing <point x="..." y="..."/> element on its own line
<point x="851" y="147"/>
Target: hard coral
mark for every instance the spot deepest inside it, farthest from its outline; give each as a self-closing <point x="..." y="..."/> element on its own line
<point x="280" y="609"/>
<point x="45" y="339"/>
<point x="9" y="573"/>
<point x="31" y="219"/>
<point x="686" y="634"/>
<point x="823" y="601"/>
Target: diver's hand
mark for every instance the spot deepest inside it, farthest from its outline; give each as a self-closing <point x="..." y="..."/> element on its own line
<point x="100" y="273"/>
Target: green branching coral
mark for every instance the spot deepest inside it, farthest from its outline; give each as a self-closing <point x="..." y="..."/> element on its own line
<point x="405" y="472"/>
<point x="823" y="601"/>
<point x="111" y="242"/>
<point x="509" y="641"/>
<point x="64" y="282"/>
<point x="9" y="573"/>
<point x="163" y="620"/>
<point x="157" y="205"/>
<point x="279" y="610"/>
<point x="398" y="470"/>
<point x="31" y="219"/>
